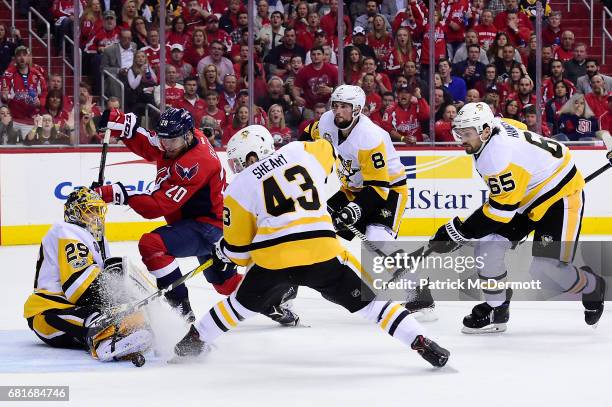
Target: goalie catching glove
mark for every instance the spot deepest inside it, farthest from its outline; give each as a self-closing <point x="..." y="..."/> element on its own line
<point x="449" y="237"/>
<point x="113" y="193"/>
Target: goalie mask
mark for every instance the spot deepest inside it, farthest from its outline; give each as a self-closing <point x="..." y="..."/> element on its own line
<point x="86" y="208"/>
<point x="252" y="140"/>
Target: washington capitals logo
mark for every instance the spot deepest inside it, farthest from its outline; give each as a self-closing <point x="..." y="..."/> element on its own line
<point x="186" y="173"/>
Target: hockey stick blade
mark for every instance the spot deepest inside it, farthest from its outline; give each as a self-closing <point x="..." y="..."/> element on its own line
<point x="126" y="309"/>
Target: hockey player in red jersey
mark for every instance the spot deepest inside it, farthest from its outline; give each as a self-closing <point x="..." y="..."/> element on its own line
<point x="187" y="193"/>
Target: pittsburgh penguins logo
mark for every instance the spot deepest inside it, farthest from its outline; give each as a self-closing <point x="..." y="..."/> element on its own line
<point x="345" y="170"/>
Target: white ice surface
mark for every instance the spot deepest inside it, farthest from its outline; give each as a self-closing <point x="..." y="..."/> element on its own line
<point x="548" y="357"/>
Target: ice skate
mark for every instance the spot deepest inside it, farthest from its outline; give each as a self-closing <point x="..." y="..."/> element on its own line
<point x="430" y="351"/>
<point x="486" y="319"/>
<point x="594" y="301"/>
<point x="191" y="345"/>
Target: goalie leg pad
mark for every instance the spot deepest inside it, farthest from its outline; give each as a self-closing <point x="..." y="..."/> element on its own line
<point x="129" y="335"/>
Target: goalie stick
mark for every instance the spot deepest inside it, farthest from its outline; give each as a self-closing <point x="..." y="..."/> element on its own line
<point x="122" y="310"/>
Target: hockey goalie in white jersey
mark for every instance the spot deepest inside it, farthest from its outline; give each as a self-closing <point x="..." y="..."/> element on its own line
<point x="373" y="193"/>
<point x="68" y="289"/>
<point x="275" y="222"/>
<point x="534" y="185"/>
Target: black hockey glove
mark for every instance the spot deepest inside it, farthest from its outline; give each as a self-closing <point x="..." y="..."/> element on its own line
<point x="349" y="215"/>
<point x="448" y="238"/>
<point x="220" y="261"/>
<point x="115" y="265"/>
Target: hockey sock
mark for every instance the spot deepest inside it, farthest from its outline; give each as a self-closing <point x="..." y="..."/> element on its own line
<point x="225" y="315"/>
<point x="562" y="277"/>
<point x="180" y="292"/>
<point x="394" y="319"/>
<point x="492" y="268"/>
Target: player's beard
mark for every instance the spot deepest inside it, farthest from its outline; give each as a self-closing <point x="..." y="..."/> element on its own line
<point x="342" y="124"/>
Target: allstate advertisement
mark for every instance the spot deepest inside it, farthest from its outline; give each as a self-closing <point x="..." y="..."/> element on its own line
<point x="442" y="184"/>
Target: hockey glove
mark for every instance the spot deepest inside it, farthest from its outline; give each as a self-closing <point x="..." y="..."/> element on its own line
<point x="448" y="238"/>
<point x="113" y="193"/>
<point x="222" y="274"/>
<point x="115" y="266"/>
<point x="348" y="215"/>
<point x="122" y="125"/>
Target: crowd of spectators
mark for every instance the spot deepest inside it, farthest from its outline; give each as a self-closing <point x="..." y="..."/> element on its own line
<point x="483" y="51"/>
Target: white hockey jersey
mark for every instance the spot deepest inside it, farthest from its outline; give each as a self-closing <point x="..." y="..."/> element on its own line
<point x="275" y="212"/>
<point x="367" y="156"/>
<point x="69" y="260"/>
<point x="525" y="173"/>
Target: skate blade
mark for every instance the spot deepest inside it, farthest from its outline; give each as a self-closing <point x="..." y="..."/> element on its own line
<point x="489" y="329"/>
<point x="425" y="315"/>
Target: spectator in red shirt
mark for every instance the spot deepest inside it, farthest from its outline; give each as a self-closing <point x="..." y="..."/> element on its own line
<point x="212" y="109"/>
<point x="197" y="49"/>
<point x="128" y="14"/>
<point x="208" y="80"/>
<point x="551" y="34"/>
<point x="306" y="37"/>
<point x="178" y="34"/>
<point x="486" y="30"/>
<point x="352" y="66"/>
<point x="23" y="88"/>
<point x="382" y="80"/>
<point x="299" y="20"/>
<point x="403" y="119"/>
<point x="605" y="121"/>
<point x="565" y="51"/>
<point x="454" y="12"/>
<point x="556" y="74"/>
<point x="276" y="124"/>
<point x="213" y="33"/>
<point x="531" y="118"/>
<point x="373" y="99"/>
<point x="402" y="52"/>
<point x="153" y="50"/>
<point x="439" y="45"/>
<point x="377" y="115"/>
<point x="329" y="21"/>
<point x="191" y="101"/>
<point x="183" y="69"/>
<point x="518" y="34"/>
<point x="91" y="21"/>
<point x="195" y="15"/>
<point x="598" y="98"/>
<point x="229" y="21"/>
<point x="54" y="106"/>
<point x="511" y="7"/>
<point x="315" y="81"/>
<point x="490" y="82"/>
<point x="443" y="126"/>
<point x="379" y="39"/>
<point x="107" y="36"/>
<point x="240" y="121"/>
<point x="174" y="90"/>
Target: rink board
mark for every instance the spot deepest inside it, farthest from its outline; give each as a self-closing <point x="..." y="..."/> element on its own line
<point x="442" y="183"/>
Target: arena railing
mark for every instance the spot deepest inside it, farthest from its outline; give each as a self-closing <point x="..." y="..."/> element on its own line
<point x="590" y="7"/>
<point x="113" y="78"/>
<point x="605" y="34"/>
<point x="11" y="6"/>
<point x="67" y="63"/>
<point x="34" y="34"/>
<point x="147" y="108"/>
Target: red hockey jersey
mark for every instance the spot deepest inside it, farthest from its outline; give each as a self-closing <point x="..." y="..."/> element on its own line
<point x="188" y="187"/>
